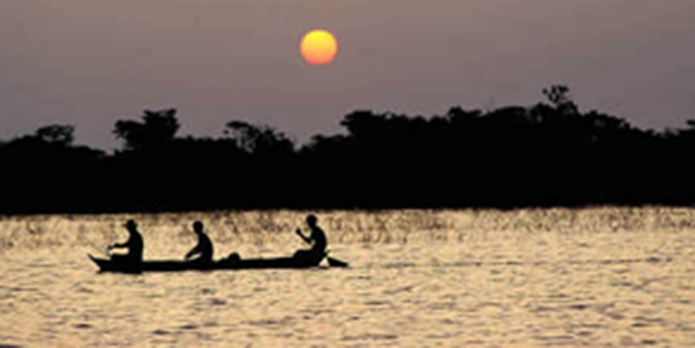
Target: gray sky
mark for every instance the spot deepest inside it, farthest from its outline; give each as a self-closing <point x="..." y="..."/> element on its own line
<point x="92" y="62"/>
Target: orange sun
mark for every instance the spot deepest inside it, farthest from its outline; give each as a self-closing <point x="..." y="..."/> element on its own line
<point x="319" y="47"/>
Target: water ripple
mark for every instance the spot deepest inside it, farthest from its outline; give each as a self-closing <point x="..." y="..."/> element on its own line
<point x="516" y="278"/>
<point x="370" y="337"/>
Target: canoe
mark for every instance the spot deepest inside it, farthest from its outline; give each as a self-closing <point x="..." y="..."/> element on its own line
<point x="110" y="265"/>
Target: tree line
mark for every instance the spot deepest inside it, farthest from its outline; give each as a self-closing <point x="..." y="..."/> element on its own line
<point x="547" y="154"/>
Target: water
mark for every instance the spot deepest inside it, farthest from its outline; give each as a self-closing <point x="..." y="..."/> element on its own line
<point x="557" y="277"/>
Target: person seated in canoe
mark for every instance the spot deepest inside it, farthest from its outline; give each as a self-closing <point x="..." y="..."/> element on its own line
<point x="134" y="244"/>
<point x="203" y="248"/>
<point x="317" y="239"/>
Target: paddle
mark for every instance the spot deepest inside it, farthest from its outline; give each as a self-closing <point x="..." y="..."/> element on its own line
<point x="333" y="262"/>
<point x="336" y="263"/>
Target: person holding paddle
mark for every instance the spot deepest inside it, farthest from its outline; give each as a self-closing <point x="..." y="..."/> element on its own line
<point x="318" y="242"/>
<point x="134" y="244"/>
<point x="317" y="239"/>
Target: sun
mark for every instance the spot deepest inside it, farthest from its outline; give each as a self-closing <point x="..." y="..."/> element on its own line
<point x="319" y="47"/>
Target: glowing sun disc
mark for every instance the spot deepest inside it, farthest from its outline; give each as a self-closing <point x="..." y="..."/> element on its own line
<point x="319" y="47"/>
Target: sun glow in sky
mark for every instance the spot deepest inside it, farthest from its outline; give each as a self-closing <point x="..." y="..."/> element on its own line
<point x="319" y="47"/>
<point x="90" y="63"/>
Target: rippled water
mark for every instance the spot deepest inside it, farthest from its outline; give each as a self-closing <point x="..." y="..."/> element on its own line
<point x="557" y="277"/>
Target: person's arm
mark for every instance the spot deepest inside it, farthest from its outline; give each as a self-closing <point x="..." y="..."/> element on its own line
<point x="195" y="250"/>
<point x="304" y="238"/>
<point x="120" y="245"/>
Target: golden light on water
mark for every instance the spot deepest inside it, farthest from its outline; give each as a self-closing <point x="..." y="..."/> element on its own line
<point x="319" y="47"/>
<point x="593" y="277"/>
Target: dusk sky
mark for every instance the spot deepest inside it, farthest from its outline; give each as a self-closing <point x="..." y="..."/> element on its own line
<point x="91" y="62"/>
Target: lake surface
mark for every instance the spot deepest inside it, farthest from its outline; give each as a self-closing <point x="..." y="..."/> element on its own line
<point x="538" y="277"/>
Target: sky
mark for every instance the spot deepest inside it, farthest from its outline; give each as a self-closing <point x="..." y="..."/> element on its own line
<point x="90" y="63"/>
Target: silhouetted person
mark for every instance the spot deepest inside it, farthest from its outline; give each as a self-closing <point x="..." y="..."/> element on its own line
<point x="204" y="246"/>
<point x="134" y="244"/>
<point x="317" y="239"/>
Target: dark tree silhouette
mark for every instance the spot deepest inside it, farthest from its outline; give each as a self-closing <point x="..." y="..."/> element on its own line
<point x="559" y="97"/>
<point x="44" y="172"/>
<point x="56" y="134"/>
<point x="259" y="140"/>
<point x="546" y="154"/>
<point x="157" y="129"/>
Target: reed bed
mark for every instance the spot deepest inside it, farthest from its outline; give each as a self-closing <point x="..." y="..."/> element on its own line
<point x="266" y="228"/>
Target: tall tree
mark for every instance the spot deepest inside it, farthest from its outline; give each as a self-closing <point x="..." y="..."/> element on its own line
<point x="156" y="129"/>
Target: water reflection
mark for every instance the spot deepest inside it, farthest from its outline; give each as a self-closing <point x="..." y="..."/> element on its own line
<point x="496" y="286"/>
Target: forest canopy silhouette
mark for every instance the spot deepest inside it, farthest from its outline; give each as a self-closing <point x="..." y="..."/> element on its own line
<point x="547" y="154"/>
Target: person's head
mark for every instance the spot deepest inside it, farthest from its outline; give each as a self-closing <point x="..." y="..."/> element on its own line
<point x="198" y="227"/>
<point x="311" y="220"/>
<point x="131" y="225"/>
